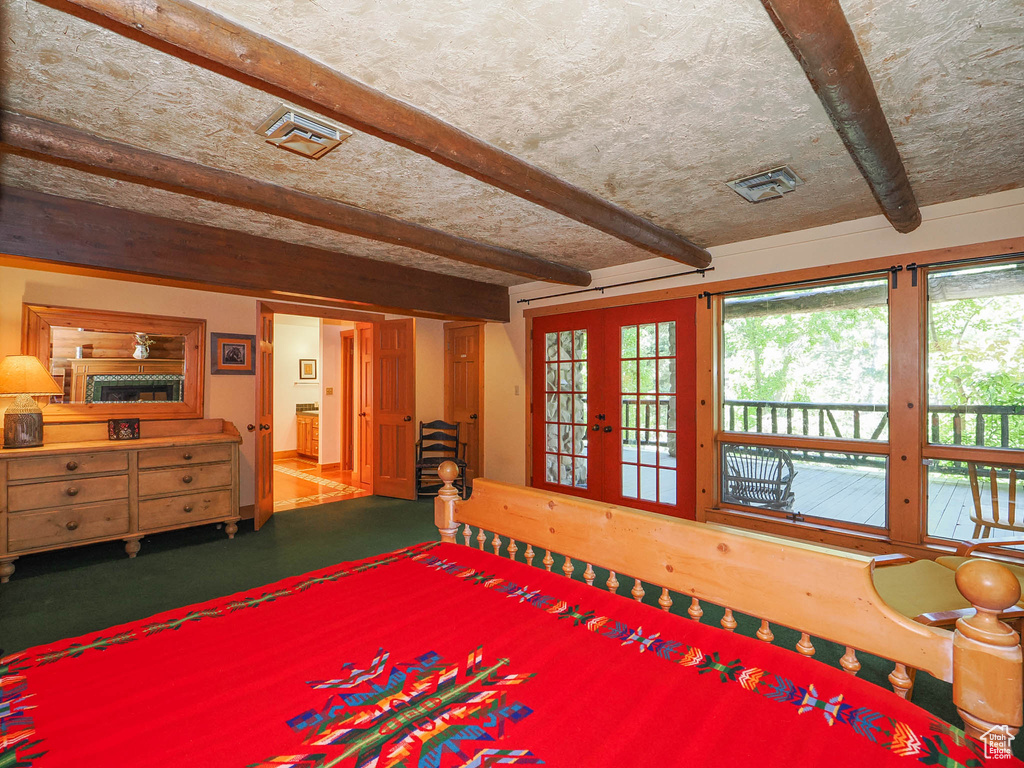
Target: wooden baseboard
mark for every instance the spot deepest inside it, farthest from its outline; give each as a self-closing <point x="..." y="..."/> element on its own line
<point x="285" y="455"/>
<point x="335" y="465"/>
<point x="247" y="512"/>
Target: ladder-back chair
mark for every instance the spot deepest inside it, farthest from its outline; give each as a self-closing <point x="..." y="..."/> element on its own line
<point x="439" y="442"/>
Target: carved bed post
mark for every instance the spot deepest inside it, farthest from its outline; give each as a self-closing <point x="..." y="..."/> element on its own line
<point x="444" y="504"/>
<point x="987" y="662"/>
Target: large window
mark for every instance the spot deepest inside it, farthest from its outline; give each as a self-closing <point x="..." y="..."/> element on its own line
<point x="975" y="419"/>
<point x="805" y="390"/>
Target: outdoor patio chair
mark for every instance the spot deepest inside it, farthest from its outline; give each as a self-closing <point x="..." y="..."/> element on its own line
<point x="986" y="517"/>
<point x="760" y="476"/>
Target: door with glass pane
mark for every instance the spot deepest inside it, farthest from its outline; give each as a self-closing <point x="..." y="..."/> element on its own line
<point x="614" y="413"/>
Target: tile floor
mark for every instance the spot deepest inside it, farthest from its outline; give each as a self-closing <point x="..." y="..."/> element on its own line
<point x="301" y="483"/>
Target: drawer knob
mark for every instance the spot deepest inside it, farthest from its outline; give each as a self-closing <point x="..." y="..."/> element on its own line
<point x="72" y="491"/>
<point x="187" y="457"/>
<point x="187" y="507"/>
<point x="71" y="525"/>
<point x="186" y="479"/>
<point x="72" y="465"/>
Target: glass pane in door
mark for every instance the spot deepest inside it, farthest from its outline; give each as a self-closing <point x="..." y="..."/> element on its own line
<point x="647" y="391"/>
<point x="565" y="413"/>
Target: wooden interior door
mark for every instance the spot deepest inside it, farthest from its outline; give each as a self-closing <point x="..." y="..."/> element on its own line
<point x="364" y="406"/>
<point x="263" y="427"/>
<point x="394" y="404"/>
<point x="348" y="403"/>
<point x="614" y="405"/>
<point x="463" y="389"/>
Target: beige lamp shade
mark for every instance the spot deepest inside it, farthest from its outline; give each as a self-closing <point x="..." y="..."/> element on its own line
<point x="25" y="375"/>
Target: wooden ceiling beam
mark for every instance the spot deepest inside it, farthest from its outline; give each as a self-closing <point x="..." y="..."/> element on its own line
<point x="73" y="232"/>
<point x="59" y="143"/>
<point x="820" y="38"/>
<point x="230" y="48"/>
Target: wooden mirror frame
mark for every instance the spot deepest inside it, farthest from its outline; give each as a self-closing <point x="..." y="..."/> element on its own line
<point x="35" y="340"/>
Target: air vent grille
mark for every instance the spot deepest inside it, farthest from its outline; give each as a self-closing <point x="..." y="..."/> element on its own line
<point x="766" y="185"/>
<point x="300" y="133"/>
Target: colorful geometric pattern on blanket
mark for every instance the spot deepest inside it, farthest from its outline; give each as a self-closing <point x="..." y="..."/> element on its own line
<point x="426" y="713"/>
<point x="891" y="734"/>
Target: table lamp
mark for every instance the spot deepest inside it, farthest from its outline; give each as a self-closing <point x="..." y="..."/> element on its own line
<point x="24" y="376"/>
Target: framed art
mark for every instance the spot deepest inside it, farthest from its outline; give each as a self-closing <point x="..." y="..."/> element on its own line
<point x="122" y="429"/>
<point x="307" y="369"/>
<point x="232" y="353"/>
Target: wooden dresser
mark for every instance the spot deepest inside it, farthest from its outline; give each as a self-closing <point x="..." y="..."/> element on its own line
<point x="81" y="488"/>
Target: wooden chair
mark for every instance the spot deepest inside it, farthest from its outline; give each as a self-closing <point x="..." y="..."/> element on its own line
<point x="758" y="475"/>
<point x="986" y="519"/>
<point x="439" y="442"/>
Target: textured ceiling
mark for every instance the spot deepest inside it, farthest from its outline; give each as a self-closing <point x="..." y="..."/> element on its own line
<point x="651" y="106"/>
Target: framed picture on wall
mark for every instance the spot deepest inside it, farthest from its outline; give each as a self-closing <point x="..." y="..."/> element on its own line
<point x="232" y="353"/>
<point x="307" y="369"/>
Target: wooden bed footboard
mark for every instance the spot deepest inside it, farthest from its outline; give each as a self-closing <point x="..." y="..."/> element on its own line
<point x="814" y="590"/>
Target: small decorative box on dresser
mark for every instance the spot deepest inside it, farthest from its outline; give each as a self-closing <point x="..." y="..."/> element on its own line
<point x="80" y="488"/>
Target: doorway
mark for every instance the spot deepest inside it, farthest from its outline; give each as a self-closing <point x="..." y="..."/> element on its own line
<point x="614" y="405"/>
<point x="464" y="390"/>
<point x="313" y="403"/>
<point x="373" y="407"/>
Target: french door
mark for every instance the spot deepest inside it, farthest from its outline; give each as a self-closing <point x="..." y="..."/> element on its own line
<point x="613" y="405"/>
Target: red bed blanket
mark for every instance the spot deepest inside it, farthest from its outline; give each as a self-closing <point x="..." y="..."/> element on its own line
<point x="439" y="655"/>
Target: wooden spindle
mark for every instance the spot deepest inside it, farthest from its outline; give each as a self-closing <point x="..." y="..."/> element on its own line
<point x="665" y="601"/>
<point x="481" y="539"/>
<point x="612" y="584"/>
<point x="588" y="574"/>
<point x="512" y="549"/>
<point x="764" y="632"/>
<point x="994" y="485"/>
<point x="804" y="645"/>
<point x="529" y="554"/>
<point x="496" y="544"/>
<point x="568" y="567"/>
<point x="695" y="610"/>
<point x="728" y="622"/>
<point x="466" y="533"/>
<point x="548" y="560"/>
<point x="849" y="661"/>
<point x="637" y="591"/>
<point x="901" y="682"/>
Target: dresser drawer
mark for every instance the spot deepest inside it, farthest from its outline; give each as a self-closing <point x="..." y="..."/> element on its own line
<point x="194" y="454"/>
<point x="157" y="482"/>
<point x="67" y="525"/>
<point x="184" y="509"/>
<point x="62" y="493"/>
<point x="67" y="465"/>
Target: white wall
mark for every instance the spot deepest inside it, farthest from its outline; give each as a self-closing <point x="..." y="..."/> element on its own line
<point x="981" y="219"/>
<point x="330" y="404"/>
<point x="429" y="370"/>
<point x="295" y="337"/>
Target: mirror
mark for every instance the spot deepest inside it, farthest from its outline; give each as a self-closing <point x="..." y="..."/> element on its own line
<point x="117" y="364"/>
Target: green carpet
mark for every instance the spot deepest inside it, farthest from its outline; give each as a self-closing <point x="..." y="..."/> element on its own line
<point x="75" y="591"/>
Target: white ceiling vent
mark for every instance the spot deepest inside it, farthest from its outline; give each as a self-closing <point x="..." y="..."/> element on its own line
<point x="766" y="185"/>
<point x="301" y="133"/>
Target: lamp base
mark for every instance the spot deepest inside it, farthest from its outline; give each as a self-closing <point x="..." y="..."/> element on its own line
<point x="23" y="424"/>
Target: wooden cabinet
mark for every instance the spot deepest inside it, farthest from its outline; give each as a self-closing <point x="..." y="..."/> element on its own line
<point x="80" y="488"/>
<point x="308" y="428"/>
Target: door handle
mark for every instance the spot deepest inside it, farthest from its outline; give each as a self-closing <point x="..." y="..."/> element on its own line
<point x="362" y="414"/>
<point x="472" y="415"/>
<point x="407" y="418"/>
<point x="608" y="429"/>
<point x="596" y="428"/>
<point x="264" y="426"/>
<point x="251" y="427"/>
